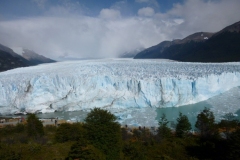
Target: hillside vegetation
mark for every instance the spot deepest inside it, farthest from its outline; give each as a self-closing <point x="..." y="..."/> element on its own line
<point x="101" y="137"/>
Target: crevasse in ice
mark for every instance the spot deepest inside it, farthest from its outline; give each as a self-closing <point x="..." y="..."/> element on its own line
<point x="113" y="83"/>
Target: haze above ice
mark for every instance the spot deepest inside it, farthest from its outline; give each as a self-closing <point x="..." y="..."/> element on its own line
<point x="95" y="29"/>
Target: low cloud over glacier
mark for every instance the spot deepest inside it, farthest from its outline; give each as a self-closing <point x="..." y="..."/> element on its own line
<point x="73" y="29"/>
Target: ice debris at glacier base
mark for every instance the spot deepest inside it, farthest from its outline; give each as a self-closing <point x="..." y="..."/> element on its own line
<point x="113" y="83"/>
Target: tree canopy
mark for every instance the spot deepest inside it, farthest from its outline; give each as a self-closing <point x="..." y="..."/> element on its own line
<point x="183" y="125"/>
<point x="227" y="123"/>
<point x="163" y="130"/>
<point x="84" y="151"/>
<point x="69" y="132"/>
<point x="205" y="123"/>
<point x="34" y="126"/>
<point x="104" y="132"/>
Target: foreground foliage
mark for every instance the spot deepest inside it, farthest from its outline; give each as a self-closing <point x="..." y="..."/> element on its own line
<point x="69" y="132"/>
<point x="206" y="123"/>
<point x="183" y="126"/>
<point x="100" y="137"/>
<point x="34" y="126"/>
<point x="104" y="132"/>
<point x="163" y="130"/>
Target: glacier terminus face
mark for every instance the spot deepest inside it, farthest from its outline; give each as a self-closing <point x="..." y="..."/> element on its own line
<point x="113" y="83"/>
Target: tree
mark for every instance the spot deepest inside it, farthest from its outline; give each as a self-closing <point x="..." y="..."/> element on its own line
<point x="234" y="145"/>
<point x="103" y="132"/>
<point x="34" y="126"/>
<point x="133" y="151"/>
<point x="9" y="154"/>
<point x="163" y="130"/>
<point x="206" y="123"/>
<point x="228" y="123"/>
<point x="69" y="132"/>
<point x="183" y="125"/>
<point x="81" y="150"/>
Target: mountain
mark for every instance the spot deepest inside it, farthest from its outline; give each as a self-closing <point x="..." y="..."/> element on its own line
<point x="130" y="54"/>
<point x="9" y="59"/>
<point x="232" y="28"/>
<point x="12" y="53"/>
<point x="222" y="46"/>
<point x="35" y="58"/>
<point x="155" y="51"/>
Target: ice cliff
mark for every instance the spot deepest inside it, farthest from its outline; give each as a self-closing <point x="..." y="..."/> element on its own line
<point x="113" y="83"/>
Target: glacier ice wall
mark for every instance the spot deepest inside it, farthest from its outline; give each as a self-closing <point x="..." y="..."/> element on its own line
<point x="113" y="83"/>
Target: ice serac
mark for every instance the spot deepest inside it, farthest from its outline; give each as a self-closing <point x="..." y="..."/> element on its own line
<point x="113" y="83"/>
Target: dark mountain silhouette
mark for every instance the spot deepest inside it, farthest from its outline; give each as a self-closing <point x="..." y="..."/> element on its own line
<point x="222" y="46"/>
<point x="10" y="60"/>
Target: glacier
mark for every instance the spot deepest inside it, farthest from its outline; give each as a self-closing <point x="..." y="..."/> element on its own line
<point x="113" y="83"/>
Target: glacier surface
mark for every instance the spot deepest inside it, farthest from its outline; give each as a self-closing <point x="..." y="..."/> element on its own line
<point x="113" y="83"/>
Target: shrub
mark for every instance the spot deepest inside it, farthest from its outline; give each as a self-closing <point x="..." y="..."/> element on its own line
<point x="34" y="126"/>
<point x="183" y="125"/>
<point x="69" y="132"/>
<point x="104" y="133"/>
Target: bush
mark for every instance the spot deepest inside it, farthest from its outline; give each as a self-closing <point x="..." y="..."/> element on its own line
<point x="19" y="128"/>
<point x="104" y="133"/>
<point x="69" y="132"/>
<point x="132" y="151"/>
<point x="163" y="130"/>
<point x="206" y="123"/>
<point x="34" y="126"/>
<point x="234" y="145"/>
<point x="81" y="150"/>
<point x="8" y="154"/>
<point x="183" y="125"/>
<point x="10" y="129"/>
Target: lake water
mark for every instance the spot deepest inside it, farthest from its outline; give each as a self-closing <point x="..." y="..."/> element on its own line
<point x="191" y="111"/>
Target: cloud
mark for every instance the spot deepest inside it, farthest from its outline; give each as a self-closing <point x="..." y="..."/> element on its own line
<point x="109" y="14"/>
<point x="109" y="34"/>
<point x="147" y="11"/>
<point x="81" y="36"/>
<point x="211" y="16"/>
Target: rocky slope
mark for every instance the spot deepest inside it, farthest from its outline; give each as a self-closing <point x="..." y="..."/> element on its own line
<point x="222" y="46"/>
<point x="35" y="58"/>
<point x="10" y="60"/>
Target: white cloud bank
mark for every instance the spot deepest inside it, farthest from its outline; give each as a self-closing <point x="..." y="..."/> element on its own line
<point x="110" y="34"/>
<point x="146" y="11"/>
<point x="109" y="14"/>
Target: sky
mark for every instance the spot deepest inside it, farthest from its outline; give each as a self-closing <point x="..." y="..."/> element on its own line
<point x="62" y="29"/>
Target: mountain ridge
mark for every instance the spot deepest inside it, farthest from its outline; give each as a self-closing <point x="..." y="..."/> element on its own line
<point x="199" y="47"/>
<point x="35" y="58"/>
<point x="10" y="60"/>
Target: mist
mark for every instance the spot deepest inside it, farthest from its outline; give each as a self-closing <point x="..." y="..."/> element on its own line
<point x="62" y="33"/>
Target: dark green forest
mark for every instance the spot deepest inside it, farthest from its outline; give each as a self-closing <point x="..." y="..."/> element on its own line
<point x="100" y="137"/>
